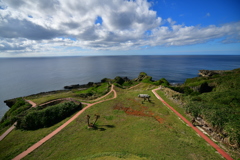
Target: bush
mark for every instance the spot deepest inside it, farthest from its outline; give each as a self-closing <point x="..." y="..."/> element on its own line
<point x="147" y="79"/>
<point x="119" y="80"/>
<point x="18" y="109"/>
<point x="47" y="117"/>
<point x="194" y="108"/>
<point x="162" y="82"/>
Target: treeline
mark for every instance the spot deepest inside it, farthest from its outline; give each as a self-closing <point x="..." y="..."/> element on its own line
<point x="217" y="100"/>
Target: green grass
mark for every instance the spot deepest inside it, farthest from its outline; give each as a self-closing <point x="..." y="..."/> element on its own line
<point x="19" y="140"/>
<point x="174" y="105"/>
<point x="45" y="98"/>
<point x="127" y="136"/>
<point x="97" y="90"/>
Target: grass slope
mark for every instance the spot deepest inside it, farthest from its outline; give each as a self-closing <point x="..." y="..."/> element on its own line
<point x="157" y="135"/>
<point x="217" y="100"/>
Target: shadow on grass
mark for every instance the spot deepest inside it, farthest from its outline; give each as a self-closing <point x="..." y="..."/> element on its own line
<point x="148" y="101"/>
<point x="102" y="127"/>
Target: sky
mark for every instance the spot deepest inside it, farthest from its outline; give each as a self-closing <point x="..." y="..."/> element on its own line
<point x="42" y="28"/>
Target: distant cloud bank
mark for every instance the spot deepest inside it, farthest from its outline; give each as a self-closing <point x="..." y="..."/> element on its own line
<point x="48" y="26"/>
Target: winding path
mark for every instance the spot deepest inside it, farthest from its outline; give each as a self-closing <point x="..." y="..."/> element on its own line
<point x="39" y="143"/>
<point x="222" y="152"/>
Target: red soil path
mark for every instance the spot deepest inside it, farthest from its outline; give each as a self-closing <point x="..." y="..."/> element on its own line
<point x="39" y="143"/>
<point x="32" y="103"/>
<point x="222" y="152"/>
<point x="8" y="131"/>
<point x="135" y="86"/>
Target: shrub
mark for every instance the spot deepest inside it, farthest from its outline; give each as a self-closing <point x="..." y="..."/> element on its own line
<point x="47" y="117"/>
<point x="162" y="82"/>
<point x="147" y="79"/>
<point x="119" y="80"/>
<point x="194" y="108"/>
<point x="18" y="109"/>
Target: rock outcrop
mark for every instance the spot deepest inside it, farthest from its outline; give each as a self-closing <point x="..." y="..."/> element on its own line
<point x="209" y="73"/>
<point x="10" y="102"/>
<point x="143" y="76"/>
<point x="75" y="86"/>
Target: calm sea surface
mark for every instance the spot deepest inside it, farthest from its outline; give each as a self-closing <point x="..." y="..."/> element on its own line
<point x="25" y="76"/>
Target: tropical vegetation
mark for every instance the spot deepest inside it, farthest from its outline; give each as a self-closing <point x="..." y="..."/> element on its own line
<point x="216" y="99"/>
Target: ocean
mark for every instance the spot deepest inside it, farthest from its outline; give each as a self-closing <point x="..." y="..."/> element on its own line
<point x="26" y="76"/>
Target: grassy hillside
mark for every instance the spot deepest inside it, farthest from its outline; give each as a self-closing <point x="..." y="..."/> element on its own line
<point x="216" y="99"/>
<point x="128" y="128"/>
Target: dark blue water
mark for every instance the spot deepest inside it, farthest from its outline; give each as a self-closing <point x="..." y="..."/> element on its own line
<point x="25" y="76"/>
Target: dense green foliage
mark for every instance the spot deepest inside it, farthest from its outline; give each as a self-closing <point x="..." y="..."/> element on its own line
<point x="217" y="100"/>
<point x="14" y="112"/>
<point x="47" y="117"/>
<point x="162" y="82"/>
<point x="119" y="80"/>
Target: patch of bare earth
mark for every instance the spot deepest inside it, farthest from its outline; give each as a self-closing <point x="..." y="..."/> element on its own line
<point x="142" y="111"/>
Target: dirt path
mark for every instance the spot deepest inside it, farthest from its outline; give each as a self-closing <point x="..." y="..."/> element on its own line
<point x="222" y="152"/>
<point x="135" y="86"/>
<point x="8" y="131"/>
<point x="101" y="97"/>
<point x="39" y="143"/>
<point x="32" y="103"/>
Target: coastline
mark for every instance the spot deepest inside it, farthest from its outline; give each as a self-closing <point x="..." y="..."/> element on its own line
<point x="49" y="74"/>
<point x="10" y="102"/>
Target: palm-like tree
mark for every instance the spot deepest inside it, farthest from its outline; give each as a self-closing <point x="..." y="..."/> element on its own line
<point x="97" y="117"/>
<point x="88" y="117"/>
<point x="92" y="125"/>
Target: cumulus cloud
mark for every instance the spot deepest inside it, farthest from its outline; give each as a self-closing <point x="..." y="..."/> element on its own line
<point x="43" y="25"/>
<point x="186" y="35"/>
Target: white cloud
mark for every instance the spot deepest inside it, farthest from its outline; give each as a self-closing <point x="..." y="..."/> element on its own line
<point x="44" y="25"/>
<point x="187" y="35"/>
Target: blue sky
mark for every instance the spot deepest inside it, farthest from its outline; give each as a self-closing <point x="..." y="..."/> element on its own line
<point x="199" y="12"/>
<point x="119" y="27"/>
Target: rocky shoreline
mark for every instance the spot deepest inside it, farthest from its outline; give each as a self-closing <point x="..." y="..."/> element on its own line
<point x="203" y="73"/>
<point x="209" y="73"/>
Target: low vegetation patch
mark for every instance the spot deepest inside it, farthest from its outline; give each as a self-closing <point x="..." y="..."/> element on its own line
<point x="47" y="117"/>
<point x="94" y="91"/>
<point x="216" y="99"/>
<point x="16" y="111"/>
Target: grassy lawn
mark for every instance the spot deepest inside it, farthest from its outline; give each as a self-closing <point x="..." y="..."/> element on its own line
<point x="18" y="140"/>
<point x="96" y="90"/>
<point x="45" y="98"/>
<point x="128" y="128"/>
